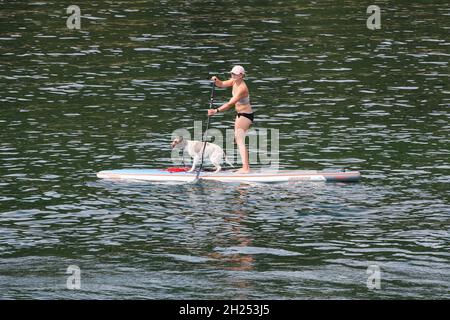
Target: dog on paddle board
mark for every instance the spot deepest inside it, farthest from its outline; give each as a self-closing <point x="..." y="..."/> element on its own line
<point x="195" y="148"/>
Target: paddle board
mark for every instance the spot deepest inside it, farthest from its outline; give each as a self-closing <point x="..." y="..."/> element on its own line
<point x="159" y="175"/>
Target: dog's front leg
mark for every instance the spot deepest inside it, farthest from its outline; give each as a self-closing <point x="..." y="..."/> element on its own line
<point x="194" y="162"/>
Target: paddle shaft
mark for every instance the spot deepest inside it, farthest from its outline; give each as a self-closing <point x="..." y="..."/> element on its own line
<point x="211" y="101"/>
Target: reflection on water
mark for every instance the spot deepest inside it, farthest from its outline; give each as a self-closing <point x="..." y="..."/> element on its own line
<point x="110" y="95"/>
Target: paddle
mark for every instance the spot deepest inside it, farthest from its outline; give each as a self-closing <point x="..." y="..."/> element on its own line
<point x="211" y="101"/>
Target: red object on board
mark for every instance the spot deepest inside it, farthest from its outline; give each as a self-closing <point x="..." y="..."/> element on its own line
<point x="177" y="169"/>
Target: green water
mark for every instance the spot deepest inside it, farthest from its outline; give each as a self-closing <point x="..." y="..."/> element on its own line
<point x="107" y="96"/>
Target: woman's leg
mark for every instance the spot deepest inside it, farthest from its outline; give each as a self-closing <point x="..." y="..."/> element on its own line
<point x="241" y="126"/>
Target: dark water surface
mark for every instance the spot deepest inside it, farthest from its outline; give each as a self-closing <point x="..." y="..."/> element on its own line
<point x="73" y="102"/>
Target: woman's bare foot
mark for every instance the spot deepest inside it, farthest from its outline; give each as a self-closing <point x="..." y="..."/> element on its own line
<point x="243" y="170"/>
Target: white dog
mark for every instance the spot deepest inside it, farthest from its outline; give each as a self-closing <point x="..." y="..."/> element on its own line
<point x="194" y="148"/>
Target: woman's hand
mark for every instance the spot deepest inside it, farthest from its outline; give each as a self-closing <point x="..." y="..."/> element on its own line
<point x="214" y="78"/>
<point x="211" y="112"/>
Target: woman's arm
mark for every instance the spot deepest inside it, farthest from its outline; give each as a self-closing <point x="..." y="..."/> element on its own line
<point x="222" y="84"/>
<point x="229" y="104"/>
<point x="240" y="94"/>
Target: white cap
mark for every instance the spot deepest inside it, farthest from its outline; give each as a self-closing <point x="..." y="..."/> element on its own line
<point x="238" y="70"/>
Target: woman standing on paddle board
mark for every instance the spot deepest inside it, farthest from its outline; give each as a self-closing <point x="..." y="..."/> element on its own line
<point x="244" y="112"/>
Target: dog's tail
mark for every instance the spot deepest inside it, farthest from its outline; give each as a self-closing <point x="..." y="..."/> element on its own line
<point x="226" y="160"/>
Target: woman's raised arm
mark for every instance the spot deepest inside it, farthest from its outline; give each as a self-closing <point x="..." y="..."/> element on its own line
<point x="222" y="84"/>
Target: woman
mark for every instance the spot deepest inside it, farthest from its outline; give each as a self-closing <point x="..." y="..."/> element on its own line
<point x="244" y="116"/>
